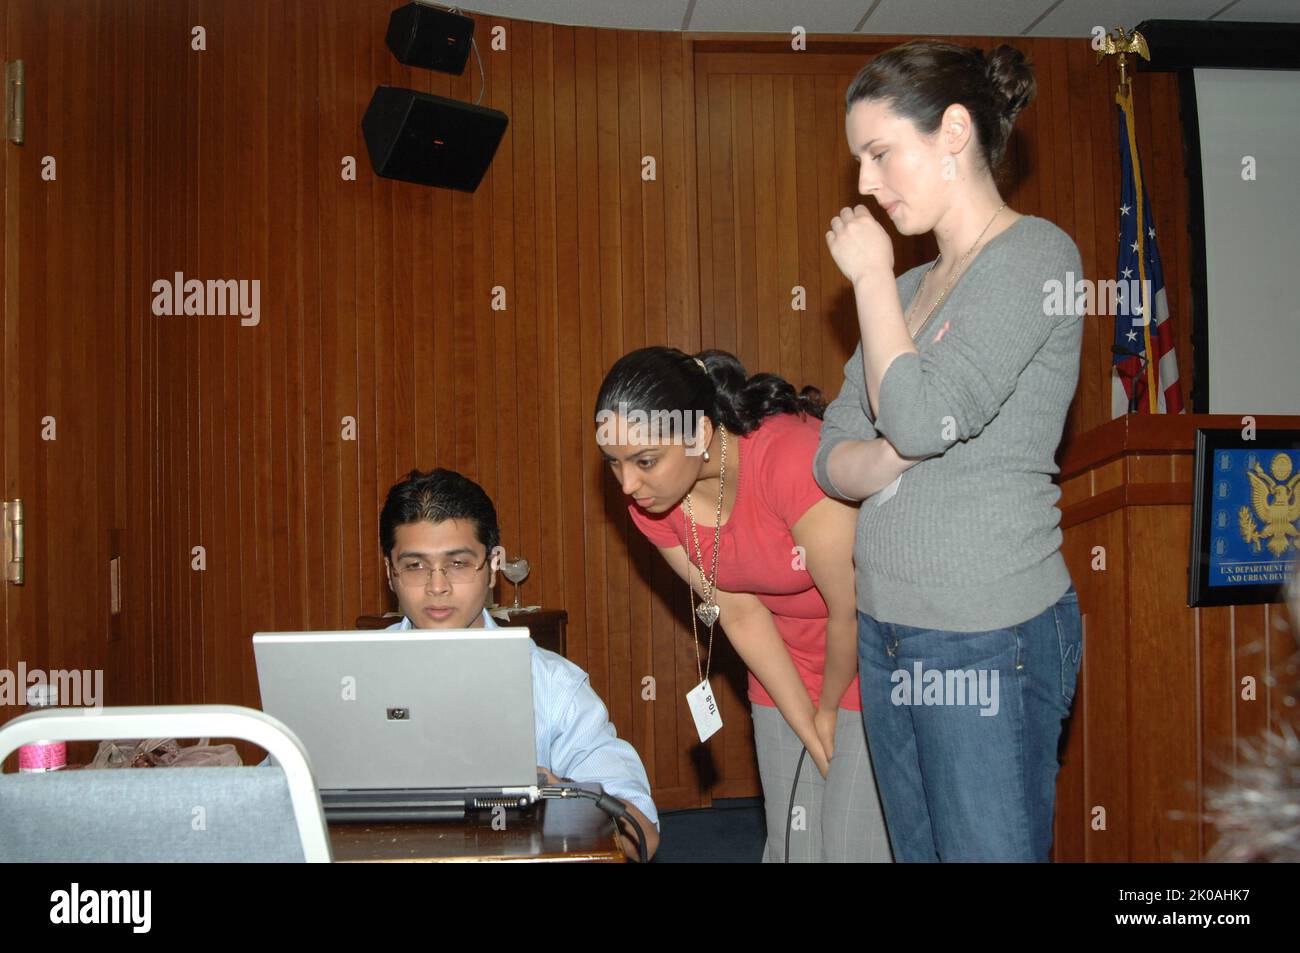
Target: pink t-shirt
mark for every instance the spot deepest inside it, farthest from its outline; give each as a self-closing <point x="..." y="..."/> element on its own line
<point x="757" y="554"/>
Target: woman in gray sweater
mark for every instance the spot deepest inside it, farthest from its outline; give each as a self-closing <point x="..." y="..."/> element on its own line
<point x="969" y="634"/>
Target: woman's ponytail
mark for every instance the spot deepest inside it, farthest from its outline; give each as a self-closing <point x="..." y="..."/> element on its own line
<point x="712" y="383"/>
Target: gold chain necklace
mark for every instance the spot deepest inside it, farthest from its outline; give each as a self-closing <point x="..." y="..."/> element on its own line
<point x="707" y="611"/>
<point x="952" y="279"/>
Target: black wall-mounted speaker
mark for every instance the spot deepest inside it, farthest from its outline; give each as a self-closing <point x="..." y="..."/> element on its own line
<point x="418" y="137"/>
<point x="424" y="36"/>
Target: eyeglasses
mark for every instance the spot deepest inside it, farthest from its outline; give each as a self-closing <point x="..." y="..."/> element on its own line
<point x="457" y="572"/>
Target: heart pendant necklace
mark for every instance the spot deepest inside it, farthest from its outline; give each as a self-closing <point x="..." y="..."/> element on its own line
<point x="708" y="610"/>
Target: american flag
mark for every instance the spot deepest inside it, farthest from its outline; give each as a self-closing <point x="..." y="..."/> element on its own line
<point x="1141" y="291"/>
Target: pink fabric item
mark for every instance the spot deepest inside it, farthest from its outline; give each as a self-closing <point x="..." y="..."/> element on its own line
<point x="757" y="553"/>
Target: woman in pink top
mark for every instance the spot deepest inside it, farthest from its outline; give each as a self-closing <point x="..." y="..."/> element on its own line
<point x="707" y="453"/>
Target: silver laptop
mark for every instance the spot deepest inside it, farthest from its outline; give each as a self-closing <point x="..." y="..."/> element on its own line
<point x="407" y="725"/>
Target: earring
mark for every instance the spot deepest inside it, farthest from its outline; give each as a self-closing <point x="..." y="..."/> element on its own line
<point x="706" y="456"/>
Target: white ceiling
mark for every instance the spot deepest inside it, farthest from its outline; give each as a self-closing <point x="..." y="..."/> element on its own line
<point x="881" y="17"/>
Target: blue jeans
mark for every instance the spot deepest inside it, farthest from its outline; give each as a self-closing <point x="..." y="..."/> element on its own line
<point x="963" y="729"/>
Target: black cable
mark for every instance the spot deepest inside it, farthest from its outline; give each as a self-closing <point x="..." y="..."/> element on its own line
<point x="789" y="814"/>
<point x="610" y="805"/>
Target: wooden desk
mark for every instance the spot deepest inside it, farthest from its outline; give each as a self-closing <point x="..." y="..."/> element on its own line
<point x="554" y="830"/>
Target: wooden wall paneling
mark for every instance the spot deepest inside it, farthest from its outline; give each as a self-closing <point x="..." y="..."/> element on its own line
<point x="1035" y="125"/>
<point x="465" y="249"/>
<point x="811" y="221"/>
<point x="380" y="366"/>
<point x="58" y="456"/>
<point x="307" y="452"/>
<point x="424" y="412"/>
<point x="837" y="187"/>
<point x="134" y="659"/>
<point x="770" y="311"/>
<point x="1101" y="725"/>
<point x="1163" y="692"/>
<point x="109" y="138"/>
<point x="397" y="324"/>
<point x="333" y="281"/>
<point x="540" y="92"/>
<point x="66" y="265"/>
<point x="605" y="499"/>
<point x="743" y="201"/>
<point x="506" y="357"/>
<point x="1253" y="658"/>
<point x="1250" y="717"/>
<point x="9" y="471"/>
<point x="643" y="726"/>
<point x="64" y="458"/>
<point x="1093" y="392"/>
<point x="1084" y="101"/>
<point x="462" y="455"/>
<point x="644" y="322"/>
<point x="703" y="224"/>
<point x="571" y="166"/>
<point x="437" y="349"/>
<point x="178" y="341"/>
<point x="682" y="235"/>
<point x="215" y="640"/>
<point x="591" y="565"/>
<point x="676" y="776"/>
<point x="786" y="237"/>
<point x="266" y="486"/>
<point x="719" y="320"/>
<point x="24" y="401"/>
<point x="304" y="403"/>
<point x="282" y="309"/>
<point x="1219" y="689"/>
<point x="626" y="586"/>
<point x="524" y="388"/>
<point x="141" y="559"/>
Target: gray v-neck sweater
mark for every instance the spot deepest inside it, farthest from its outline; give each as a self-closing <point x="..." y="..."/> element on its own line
<point x="970" y="539"/>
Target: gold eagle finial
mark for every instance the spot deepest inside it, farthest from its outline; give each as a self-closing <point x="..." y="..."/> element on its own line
<point x="1120" y="43"/>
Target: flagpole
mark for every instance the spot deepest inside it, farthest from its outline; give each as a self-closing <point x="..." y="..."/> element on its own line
<point x="1124" y="97"/>
<point x="1120" y="44"/>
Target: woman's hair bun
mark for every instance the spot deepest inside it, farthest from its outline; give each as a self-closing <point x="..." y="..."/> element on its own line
<point x="1013" y="79"/>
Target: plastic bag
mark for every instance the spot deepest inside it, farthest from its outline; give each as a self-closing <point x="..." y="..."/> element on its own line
<point x="164" y="753"/>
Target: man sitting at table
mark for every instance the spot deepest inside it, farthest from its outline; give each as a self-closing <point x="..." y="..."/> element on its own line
<point x="438" y="532"/>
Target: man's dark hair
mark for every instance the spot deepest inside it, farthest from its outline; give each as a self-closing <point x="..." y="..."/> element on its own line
<point x="438" y="496"/>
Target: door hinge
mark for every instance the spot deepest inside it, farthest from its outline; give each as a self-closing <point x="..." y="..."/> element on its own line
<point x="14" y="102"/>
<point x="14" y="542"/>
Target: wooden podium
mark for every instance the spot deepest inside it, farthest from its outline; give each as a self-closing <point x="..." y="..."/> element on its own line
<point x="1159" y="705"/>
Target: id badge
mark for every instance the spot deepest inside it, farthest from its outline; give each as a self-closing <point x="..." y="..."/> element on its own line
<point x="704" y="710"/>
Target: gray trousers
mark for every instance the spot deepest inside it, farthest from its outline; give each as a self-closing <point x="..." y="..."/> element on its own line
<point x="836" y="819"/>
